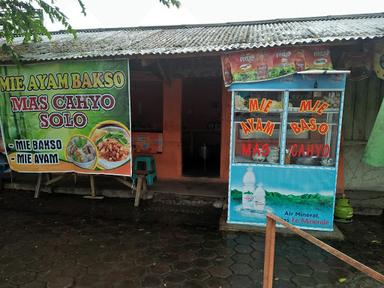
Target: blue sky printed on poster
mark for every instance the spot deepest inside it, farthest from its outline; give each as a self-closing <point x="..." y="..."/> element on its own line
<point x="303" y="197"/>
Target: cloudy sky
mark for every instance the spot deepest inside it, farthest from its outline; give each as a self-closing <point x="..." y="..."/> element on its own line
<point x="128" y="13"/>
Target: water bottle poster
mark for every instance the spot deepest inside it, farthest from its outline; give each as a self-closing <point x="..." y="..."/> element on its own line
<point x="302" y="197"/>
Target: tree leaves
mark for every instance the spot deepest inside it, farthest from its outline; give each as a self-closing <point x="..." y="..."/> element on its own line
<point x="170" y="3"/>
<point x="25" y="18"/>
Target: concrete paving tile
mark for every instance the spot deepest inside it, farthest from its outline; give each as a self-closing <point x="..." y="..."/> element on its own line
<point x="134" y="272"/>
<point x="206" y="253"/>
<point x="241" y="269"/>
<point x="151" y="281"/>
<point x="258" y="245"/>
<point x="244" y="239"/>
<point x="304" y="281"/>
<point x="175" y="277"/>
<point x="300" y="269"/>
<point x="220" y="271"/>
<point x="87" y="280"/>
<point x="256" y="276"/>
<point x="319" y="266"/>
<point x="282" y="272"/>
<point x="242" y="258"/>
<point x="74" y="271"/>
<point x="258" y="255"/>
<point x="22" y="277"/>
<point x="193" y="284"/>
<point x="214" y="282"/>
<point x="240" y="281"/>
<point x="13" y="268"/>
<point x="188" y="256"/>
<point x="297" y="258"/>
<point x="160" y="268"/>
<point x="211" y="244"/>
<point x="283" y="284"/>
<point x="60" y="282"/>
<point x="201" y="263"/>
<point x="125" y="284"/>
<point x="244" y="249"/>
<point x="197" y="273"/>
<point x="324" y="277"/>
<point x="147" y="260"/>
<point x="222" y="261"/>
<point x="125" y="254"/>
<point x="182" y="266"/>
<point x="34" y="284"/>
<point x="6" y="285"/>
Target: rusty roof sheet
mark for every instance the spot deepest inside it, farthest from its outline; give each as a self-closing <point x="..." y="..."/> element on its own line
<point x="186" y="39"/>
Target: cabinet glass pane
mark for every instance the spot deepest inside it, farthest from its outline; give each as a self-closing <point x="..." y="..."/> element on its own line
<point x="313" y="119"/>
<point x="257" y="127"/>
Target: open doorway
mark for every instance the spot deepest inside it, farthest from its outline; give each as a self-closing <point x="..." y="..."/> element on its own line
<point x="201" y="118"/>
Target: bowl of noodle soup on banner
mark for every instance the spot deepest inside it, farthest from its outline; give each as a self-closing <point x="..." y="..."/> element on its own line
<point x="82" y="152"/>
<point x="113" y="143"/>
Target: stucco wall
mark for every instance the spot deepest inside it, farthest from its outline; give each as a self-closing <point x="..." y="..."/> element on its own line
<point x="358" y="175"/>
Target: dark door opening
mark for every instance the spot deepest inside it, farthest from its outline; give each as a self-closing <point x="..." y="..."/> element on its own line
<point x="201" y="118"/>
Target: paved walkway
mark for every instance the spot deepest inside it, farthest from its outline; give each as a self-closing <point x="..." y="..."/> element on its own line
<point x="46" y="250"/>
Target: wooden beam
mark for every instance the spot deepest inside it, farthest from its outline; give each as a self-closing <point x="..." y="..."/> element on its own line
<point x="269" y="253"/>
<point x="138" y="190"/>
<point x="349" y="260"/>
<point x="38" y="185"/>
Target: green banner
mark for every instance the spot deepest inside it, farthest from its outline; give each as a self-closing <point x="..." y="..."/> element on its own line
<point x="374" y="151"/>
<point x="71" y="116"/>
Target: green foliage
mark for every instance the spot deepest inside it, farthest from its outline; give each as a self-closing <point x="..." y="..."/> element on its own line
<point x="119" y="136"/>
<point x="25" y="18"/>
<point x="308" y="199"/>
<point x="236" y="194"/>
<point x="170" y="3"/>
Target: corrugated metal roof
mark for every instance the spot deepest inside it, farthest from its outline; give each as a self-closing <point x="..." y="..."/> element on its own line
<point x="169" y="40"/>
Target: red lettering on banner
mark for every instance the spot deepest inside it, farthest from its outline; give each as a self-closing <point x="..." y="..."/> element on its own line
<point x="263" y="107"/>
<point x="302" y="150"/>
<point x="246" y="149"/>
<point x="58" y="120"/>
<point x="326" y="151"/>
<point x="29" y="103"/>
<point x="259" y="125"/>
<point x="249" y="126"/>
<point x="310" y="149"/>
<point x="312" y="125"/>
<point x="323" y="128"/>
<point x="319" y="107"/>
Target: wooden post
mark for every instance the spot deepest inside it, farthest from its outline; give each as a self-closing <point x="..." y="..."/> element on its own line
<point x="38" y="185"/>
<point x="49" y="178"/>
<point x="93" y="189"/>
<point x="138" y="189"/>
<point x="269" y="254"/>
<point x="349" y="260"/>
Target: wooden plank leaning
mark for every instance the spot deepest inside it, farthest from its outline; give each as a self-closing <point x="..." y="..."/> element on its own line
<point x="268" y="277"/>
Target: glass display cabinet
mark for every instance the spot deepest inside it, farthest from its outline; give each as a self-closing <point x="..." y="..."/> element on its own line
<point x="285" y="139"/>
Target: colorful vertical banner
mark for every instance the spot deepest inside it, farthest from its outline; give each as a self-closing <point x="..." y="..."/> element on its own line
<point x="270" y="63"/>
<point x="71" y="116"/>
